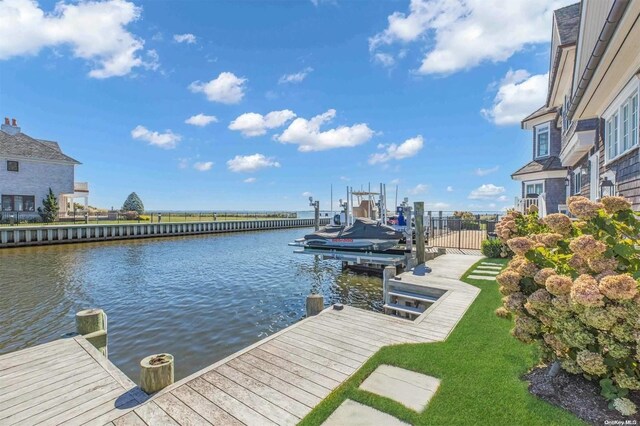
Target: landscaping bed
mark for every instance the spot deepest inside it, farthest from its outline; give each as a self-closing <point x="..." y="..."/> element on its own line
<point x="578" y="395"/>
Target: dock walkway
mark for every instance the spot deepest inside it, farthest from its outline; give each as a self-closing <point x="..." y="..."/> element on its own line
<point x="276" y="381"/>
<point x="65" y="381"/>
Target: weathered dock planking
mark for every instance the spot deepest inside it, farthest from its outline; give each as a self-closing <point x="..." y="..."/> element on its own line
<point x="280" y="379"/>
<point x="65" y="381"/>
<point x="276" y="381"/>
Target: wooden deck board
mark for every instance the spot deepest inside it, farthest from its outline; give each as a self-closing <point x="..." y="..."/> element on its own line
<point x="275" y="381"/>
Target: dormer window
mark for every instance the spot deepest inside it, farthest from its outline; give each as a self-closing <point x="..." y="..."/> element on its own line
<point x="542" y="141"/>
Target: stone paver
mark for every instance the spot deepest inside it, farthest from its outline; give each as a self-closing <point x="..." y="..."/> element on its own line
<point x="411" y="389"/>
<point x="491" y="264"/>
<point x="355" y="414"/>
<point x="482" y="271"/>
<point x="493" y="268"/>
<point x="482" y="277"/>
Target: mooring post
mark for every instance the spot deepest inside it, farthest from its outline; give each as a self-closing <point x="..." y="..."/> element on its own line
<point x="92" y="325"/>
<point x="387" y="274"/>
<point x="315" y="304"/>
<point x="156" y="372"/>
<point x="419" y="208"/>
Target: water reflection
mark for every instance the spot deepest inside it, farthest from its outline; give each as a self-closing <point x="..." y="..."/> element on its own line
<point x="200" y="298"/>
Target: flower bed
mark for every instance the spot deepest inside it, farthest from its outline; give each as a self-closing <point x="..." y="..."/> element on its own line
<point x="572" y="286"/>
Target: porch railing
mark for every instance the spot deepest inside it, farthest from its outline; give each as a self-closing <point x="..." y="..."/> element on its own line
<point x="522" y="204"/>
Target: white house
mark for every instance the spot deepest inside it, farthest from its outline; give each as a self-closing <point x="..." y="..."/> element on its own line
<point x="28" y="168"/>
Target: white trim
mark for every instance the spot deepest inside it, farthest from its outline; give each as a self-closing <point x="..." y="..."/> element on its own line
<point x="616" y="109"/>
<point x="533" y="122"/>
<point x="37" y="160"/>
<point x="546" y="127"/>
<point x="533" y="182"/>
<point x="577" y="172"/>
<point x="548" y="174"/>
<point x="594" y="178"/>
<point x="579" y="144"/>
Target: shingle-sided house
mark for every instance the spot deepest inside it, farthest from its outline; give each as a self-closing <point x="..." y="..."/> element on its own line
<point x="590" y="120"/>
<point x="28" y="168"/>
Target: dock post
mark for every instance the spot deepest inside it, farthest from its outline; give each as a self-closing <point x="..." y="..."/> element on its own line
<point x="156" y="372"/>
<point x="419" y="208"/>
<point x="387" y="273"/>
<point x="315" y="304"/>
<point x="92" y="325"/>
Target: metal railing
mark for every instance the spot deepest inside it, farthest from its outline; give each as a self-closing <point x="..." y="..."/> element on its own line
<point x="80" y="216"/>
<point x="460" y="232"/>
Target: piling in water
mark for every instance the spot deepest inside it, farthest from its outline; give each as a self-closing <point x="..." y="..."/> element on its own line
<point x="156" y="372"/>
<point x="315" y="304"/>
<point x="92" y="325"/>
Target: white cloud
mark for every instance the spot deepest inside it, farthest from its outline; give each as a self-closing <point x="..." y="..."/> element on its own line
<point x="345" y="178"/>
<point x="483" y="172"/>
<point x="254" y="124"/>
<point x="519" y="95"/>
<point x="227" y="88"/>
<point x="449" y="188"/>
<point x="461" y="34"/>
<point x="487" y="191"/>
<point x="167" y="140"/>
<point x="203" y="166"/>
<point x="307" y="135"/>
<point x="385" y="59"/>
<point x="437" y="205"/>
<point x="395" y="181"/>
<point x="251" y="163"/>
<point x="406" y="149"/>
<point x="307" y="194"/>
<point x="94" y="30"/>
<point x="249" y="180"/>
<point x="296" y="77"/>
<point x="502" y="198"/>
<point x="201" y="120"/>
<point x="420" y="188"/>
<point x="185" y="38"/>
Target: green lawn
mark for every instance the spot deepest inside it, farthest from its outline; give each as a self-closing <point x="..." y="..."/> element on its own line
<point x="479" y="366"/>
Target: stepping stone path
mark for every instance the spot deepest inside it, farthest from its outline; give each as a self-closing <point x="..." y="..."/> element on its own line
<point x="486" y="271"/>
<point x="411" y="389"/>
<point x="355" y="414"/>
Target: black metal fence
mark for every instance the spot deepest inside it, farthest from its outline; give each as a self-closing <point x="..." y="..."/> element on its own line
<point x="23" y="218"/>
<point x="460" y="232"/>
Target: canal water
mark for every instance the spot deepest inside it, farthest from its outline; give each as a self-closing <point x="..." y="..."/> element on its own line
<point x="199" y="298"/>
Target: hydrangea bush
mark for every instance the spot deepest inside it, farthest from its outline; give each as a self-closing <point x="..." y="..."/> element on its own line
<point x="572" y="286"/>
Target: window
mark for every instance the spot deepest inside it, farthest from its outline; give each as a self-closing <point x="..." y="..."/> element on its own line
<point x="566" y="123"/>
<point x="577" y="181"/>
<point x="18" y="203"/>
<point x="536" y="188"/>
<point x="621" y="128"/>
<point x="542" y="141"/>
<point x="12" y="166"/>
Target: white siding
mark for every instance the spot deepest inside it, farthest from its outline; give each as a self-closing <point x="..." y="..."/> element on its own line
<point x="35" y="178"/>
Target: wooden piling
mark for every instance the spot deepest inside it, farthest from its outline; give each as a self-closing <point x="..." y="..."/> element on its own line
<point x="420" y="245"/>
<point x="92" y="325"/>
<point x="156" y="372"/>
<point x="315" y="304"/>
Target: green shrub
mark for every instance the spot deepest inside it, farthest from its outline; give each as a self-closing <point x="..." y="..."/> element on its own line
<point x="573" y="288"/>
<point x="493" y="247"/>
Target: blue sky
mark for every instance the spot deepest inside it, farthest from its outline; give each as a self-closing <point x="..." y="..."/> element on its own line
<point x="425" y="94"/>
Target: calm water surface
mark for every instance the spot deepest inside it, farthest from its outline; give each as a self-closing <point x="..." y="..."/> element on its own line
<point x="199" y="298"/>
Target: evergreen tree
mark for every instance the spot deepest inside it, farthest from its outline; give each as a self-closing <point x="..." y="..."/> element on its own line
<point x="49" y="210"/>
<point x="133" y="203"/>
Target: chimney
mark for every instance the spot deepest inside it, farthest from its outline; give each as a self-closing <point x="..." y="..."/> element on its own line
<point x="10" y="128"/>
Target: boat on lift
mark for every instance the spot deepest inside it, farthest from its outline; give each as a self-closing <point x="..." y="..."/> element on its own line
<point x="364" y="235"/>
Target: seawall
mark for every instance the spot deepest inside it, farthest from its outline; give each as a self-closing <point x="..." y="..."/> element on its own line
<point x="21" y="236"/>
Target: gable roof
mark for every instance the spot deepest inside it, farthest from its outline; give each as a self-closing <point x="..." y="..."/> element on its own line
<point x="24" y="146"/>
<point x="568" y="22"/>
<point x="543" y="165"/>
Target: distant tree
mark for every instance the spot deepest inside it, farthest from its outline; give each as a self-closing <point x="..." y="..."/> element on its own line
<point x="133" y="203"/>
<point x="49" y="210"/>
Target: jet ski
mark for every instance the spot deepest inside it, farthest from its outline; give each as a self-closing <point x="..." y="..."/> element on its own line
<point x="364" y="234"/>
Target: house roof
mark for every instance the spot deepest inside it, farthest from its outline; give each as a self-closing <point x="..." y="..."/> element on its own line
<point x="543" y="165"/>
<point x="568" y="22"/>
<point x="24" y="146"/>
<point x="539" y="113"/>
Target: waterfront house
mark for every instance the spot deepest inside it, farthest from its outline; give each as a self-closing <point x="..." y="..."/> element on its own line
<point x="586" y="134"/>
<point x="28" y="168"/>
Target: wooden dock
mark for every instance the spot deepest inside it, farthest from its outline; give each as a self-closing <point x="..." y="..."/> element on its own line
<point x="63" y="382"/>
<point x="276" y="381"/>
